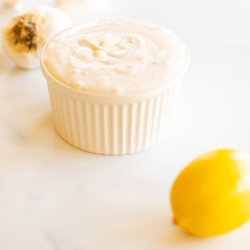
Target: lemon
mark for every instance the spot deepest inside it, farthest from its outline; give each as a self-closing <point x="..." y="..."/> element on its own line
<point x="211" y="196"/>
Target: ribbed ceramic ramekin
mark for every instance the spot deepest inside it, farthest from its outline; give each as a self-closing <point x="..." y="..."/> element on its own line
<point x="114" y="124"/>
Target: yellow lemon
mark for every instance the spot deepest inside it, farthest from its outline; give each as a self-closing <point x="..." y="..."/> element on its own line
<point x="211" y="196"/>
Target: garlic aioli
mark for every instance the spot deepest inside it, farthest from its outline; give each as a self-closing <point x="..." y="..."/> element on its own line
<point x="114" y="56"/>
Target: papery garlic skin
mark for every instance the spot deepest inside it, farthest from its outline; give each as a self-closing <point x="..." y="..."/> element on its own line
<point x="25" y="35"/>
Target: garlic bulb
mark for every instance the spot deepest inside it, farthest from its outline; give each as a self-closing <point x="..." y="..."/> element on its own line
<point x="8" y="3"/>
<point x="78" y="8"/>
<point x="25" y="35"/>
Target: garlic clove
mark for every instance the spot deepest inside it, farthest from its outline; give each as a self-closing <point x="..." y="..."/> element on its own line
<point x="25" y="35"/>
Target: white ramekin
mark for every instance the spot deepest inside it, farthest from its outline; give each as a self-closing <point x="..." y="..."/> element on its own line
<point x="114" y="124"/>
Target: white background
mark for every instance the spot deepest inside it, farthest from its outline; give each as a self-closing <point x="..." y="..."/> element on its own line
<point x="56" y="197"/>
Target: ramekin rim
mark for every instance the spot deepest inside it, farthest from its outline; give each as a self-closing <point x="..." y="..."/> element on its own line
<point x="106" y="95"/>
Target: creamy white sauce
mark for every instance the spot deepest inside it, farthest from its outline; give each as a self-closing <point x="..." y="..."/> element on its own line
<point x="114" y="56"/>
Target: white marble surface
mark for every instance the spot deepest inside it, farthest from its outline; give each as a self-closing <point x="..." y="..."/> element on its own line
<point x="56" y="197"/>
